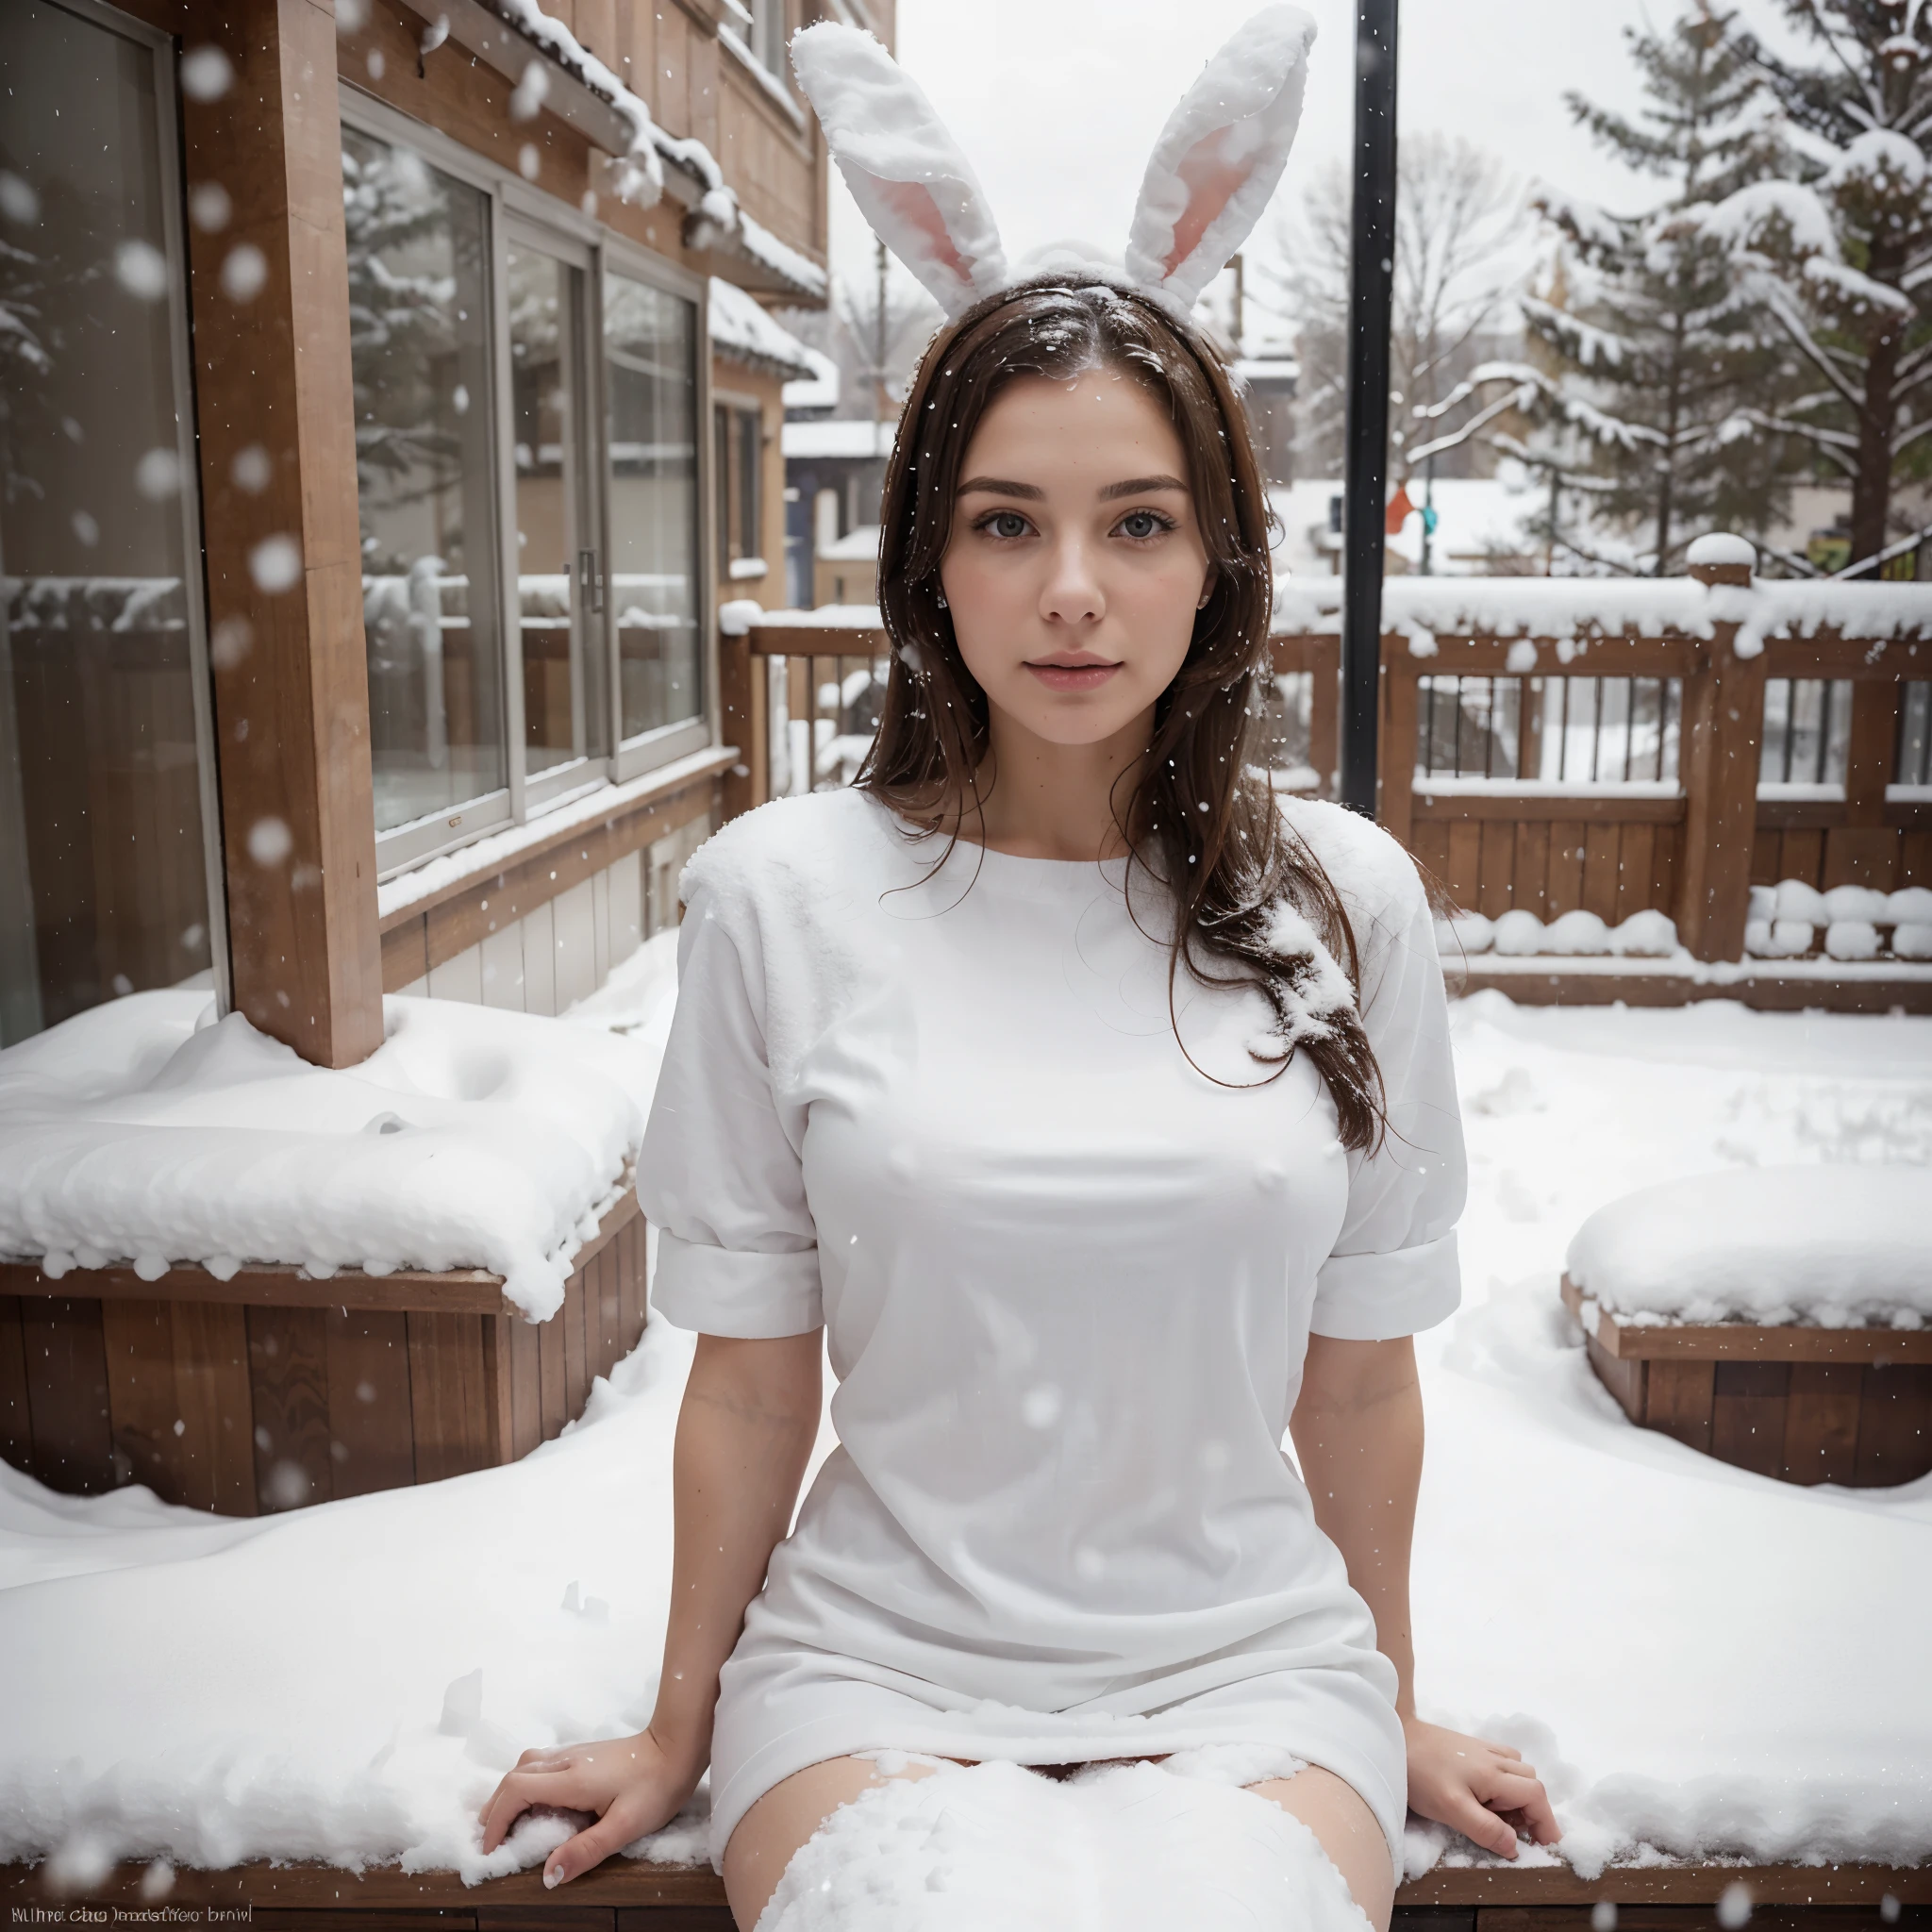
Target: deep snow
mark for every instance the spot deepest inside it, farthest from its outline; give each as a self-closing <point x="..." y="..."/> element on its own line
<point x="1700" y="1660"/>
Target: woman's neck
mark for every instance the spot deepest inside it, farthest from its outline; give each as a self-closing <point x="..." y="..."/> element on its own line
<point x="1044" y="800"/>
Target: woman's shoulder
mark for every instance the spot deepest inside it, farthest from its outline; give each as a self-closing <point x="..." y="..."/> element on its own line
<point x="782" y="848"/>
<point x="1371" y="871"/>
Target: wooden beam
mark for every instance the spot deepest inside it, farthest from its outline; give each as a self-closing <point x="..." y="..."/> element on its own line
<point x="270" y="294"/>
<point x="1544" y="807"/>
<point x="814" y="640"/>
<point x="1549" y="983"/>
<point x="637" y="1887"/>
<point x="452" y="1291"/>
<point x="1747" y="1341"/>
<point x="1723" y="724"/>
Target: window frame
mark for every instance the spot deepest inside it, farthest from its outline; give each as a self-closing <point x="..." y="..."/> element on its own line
<point x="556" y="227"/>
<point x="634" y="756"/>
<point x="164" y="58"/>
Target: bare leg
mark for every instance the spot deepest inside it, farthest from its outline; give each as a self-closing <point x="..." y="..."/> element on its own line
<point x="766" y="1837"/>
<point x="1339" y="1816"/>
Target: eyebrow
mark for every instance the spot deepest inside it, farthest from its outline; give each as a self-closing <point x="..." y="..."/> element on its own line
<point x="1132" y="486"/>
<point x="1141" y="485"/>
<point x="999" y="486"/>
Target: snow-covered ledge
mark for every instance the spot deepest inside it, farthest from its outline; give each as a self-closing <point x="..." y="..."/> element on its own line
<point x="148" y="1134"/>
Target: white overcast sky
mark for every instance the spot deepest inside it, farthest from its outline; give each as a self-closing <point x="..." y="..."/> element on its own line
<point x="1058" y="102"/>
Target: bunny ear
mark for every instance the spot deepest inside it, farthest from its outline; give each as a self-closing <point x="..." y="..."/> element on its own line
<point x="1219" y="157"/>
<point x="906" y="172"/>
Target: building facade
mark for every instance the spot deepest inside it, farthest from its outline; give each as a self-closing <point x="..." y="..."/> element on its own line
<point x="375" y="462"/>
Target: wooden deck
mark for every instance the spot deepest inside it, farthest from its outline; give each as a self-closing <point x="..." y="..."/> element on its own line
<point x="622" y="1895"/>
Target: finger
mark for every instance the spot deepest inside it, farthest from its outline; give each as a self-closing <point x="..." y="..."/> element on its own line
<point x="625" y="1820"/>
<point x="1503" y="1750"/>
<point x="520" y="1790"/>
<point x="556" y="1758"/>
<point x="1504" y="1790"/>
<point x="1540" y="1819"/>
<point x="1480" y="1825"/>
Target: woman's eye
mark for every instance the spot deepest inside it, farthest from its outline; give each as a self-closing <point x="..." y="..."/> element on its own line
<point x="1142" y="524"/>
<point x="1005" y="524"/>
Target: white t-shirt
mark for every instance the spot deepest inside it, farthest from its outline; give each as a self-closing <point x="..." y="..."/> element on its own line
<point x="1068" y="1277"/>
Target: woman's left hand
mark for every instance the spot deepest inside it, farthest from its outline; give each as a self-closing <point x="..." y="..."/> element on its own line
<point x="1485" y="1791"/>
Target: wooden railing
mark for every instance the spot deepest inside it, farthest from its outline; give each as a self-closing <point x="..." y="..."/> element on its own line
<point x="1617" y="768"/>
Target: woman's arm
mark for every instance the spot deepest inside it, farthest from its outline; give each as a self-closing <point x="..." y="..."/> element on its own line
<point x="1357" y="1431"/>
<point x="744" y="1435"/>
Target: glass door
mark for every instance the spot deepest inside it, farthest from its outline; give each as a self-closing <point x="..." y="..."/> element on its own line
<point x="557" y="568"/>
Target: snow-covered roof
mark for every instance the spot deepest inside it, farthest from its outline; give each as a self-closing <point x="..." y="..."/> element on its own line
<point x="852" y="442"/>
<point x="741" y="331"/>
<point x="859" y="544"/>
<point x="640" y="178"/>
<point x="818" y="391"/>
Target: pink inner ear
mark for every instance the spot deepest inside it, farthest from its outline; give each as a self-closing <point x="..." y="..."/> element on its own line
<point x="1211" y="181"/>
<point x="912" y="203"/>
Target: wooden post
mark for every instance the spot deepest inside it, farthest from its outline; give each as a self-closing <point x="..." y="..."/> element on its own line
<point x="1717" y="754"/>
<point x="1396" y="751"/>
<point x="735" y="666"/>
<point x="270" y="293"/>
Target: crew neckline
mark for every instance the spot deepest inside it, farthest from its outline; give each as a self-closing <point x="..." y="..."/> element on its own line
<point x="971" y="852"/>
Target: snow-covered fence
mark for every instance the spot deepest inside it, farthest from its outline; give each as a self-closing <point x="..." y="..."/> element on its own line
<point x="1549" y="746"/>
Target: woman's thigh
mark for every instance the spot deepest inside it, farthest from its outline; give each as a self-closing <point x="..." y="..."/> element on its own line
<point x="1339" y="1817"/>
<point x="765" y="1838"/>
<point x="790" y="1812"/>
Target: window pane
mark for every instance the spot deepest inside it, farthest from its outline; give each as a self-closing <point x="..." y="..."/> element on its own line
<point x="745" y="479"/>
<point x="650" y="343"/>
<point x="542" y="291"/>
<point x="419" y="318"/>
<point x="102" y="879"/>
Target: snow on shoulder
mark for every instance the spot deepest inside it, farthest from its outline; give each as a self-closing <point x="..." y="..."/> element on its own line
<point x="1367" y="866"/>
<point x="1826" y="1246"/>
<point x="148" y="1131"/>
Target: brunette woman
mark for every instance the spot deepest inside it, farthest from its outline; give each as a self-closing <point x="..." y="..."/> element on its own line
<point x="1092" y="1103"/>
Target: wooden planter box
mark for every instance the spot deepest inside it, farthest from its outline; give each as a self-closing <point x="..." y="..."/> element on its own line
<point x="1850" y="1406"/>
<point x="271" y="1389"/>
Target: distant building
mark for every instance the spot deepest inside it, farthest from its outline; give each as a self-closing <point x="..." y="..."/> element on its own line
<point x="835" y="474"/>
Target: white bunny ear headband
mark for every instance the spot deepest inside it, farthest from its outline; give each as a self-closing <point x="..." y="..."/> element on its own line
<point x="1216" y="163"/>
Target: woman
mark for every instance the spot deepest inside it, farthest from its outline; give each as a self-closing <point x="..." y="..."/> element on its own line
<point x="1095" y="1102"/>
<point x="1089" y="1219"/>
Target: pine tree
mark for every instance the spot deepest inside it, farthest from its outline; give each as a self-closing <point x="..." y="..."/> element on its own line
<point x="1841" y="256"/>
<point x="1643" y="349"/>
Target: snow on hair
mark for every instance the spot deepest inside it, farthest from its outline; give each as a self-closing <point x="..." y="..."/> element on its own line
<point x="1217" y="161"/>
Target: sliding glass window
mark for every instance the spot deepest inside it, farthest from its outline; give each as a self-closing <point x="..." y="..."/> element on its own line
<point x="651" y="380"/>
<point x="419" y="339"/>
<point x="559" y="576"/>
<point x="107" y="885"/>
<point x="527" y="464"/>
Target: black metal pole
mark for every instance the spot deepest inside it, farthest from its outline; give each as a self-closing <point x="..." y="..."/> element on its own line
<point x="1371" y="274"/>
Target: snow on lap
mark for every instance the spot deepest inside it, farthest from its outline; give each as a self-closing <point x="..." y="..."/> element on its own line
<point x="1132" y="1847"/>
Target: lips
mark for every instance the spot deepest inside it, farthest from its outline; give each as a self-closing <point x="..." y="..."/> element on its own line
<point x="1073" y="670"/>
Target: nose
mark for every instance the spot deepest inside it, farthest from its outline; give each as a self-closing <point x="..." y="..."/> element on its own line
<point x="1071" y="593"/>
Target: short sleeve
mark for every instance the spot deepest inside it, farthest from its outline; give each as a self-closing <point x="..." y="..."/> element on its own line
<point x="719" y="1173"/>
<point x="1394" y="1266"/>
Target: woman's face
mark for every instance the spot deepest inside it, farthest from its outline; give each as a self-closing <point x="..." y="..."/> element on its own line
<point x="1076" y="564"/>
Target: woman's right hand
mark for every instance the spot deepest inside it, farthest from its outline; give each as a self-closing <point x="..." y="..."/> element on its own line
<point x="632" y="1784"/>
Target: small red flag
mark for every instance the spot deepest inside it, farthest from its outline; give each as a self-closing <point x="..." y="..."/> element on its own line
<point x="1400" y="510"/>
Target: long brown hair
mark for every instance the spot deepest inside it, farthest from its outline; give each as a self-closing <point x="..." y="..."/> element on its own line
<point x="1250" y="892"/>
